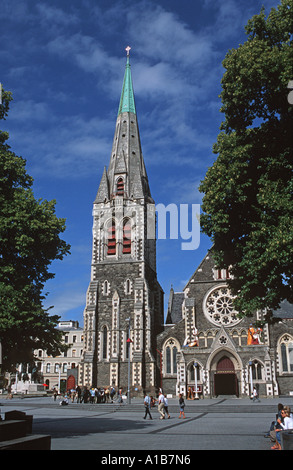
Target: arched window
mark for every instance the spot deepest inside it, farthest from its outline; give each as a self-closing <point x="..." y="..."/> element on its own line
<point x="127" y="286"/>
<point x="105" y="342"/>
<point x="170" y="358"/>
<point x="111" y="239"/>
<point x="120" y="187"/>
<point x="191" y="373"/>
<point x="126" y="237"/>
<point x="256" y="368"/>
<point x="286" y="345"/>
<point x="106" y="288"/>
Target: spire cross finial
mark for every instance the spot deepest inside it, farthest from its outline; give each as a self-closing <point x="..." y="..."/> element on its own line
<point x="127" y="50"/>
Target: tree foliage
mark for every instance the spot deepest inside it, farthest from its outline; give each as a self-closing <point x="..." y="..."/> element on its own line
<point x="247" y="203"/>
<point x="29" y="234"/>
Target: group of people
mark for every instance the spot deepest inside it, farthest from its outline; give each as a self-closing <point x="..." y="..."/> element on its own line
<point x="163" y="408"/>
<point x="283" y="421"/>
<point x="89" y="395"/>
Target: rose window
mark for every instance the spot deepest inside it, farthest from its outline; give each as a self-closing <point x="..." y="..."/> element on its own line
<point x="218" y="307"/>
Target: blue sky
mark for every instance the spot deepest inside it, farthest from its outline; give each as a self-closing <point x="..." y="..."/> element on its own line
<point x="64" y="62"/>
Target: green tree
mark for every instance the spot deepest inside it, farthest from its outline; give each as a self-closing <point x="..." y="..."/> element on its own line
<point x="29" y="242"/>
<point x="247" y="203"/>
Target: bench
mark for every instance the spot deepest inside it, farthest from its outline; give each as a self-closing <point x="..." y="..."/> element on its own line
<point x="12" y="429"/>
<point x="32" y="442"/>
<point x="15" y="433"/>
<point x="15" y="414"/>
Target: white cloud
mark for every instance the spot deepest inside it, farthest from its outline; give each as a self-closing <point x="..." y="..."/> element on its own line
<point x="68" y="299"/>
<point x="87" y="53"/>
<point x="70" y="147"/>
<point x="161" y="36"/>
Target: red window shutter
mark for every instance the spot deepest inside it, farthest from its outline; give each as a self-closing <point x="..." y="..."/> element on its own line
<point x="120" y="187"/>
<point x="126" y="238"/>
<point x="111" y="240"/>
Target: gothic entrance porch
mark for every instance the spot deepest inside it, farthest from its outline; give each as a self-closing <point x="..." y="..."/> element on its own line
<point x="225" y="378"/>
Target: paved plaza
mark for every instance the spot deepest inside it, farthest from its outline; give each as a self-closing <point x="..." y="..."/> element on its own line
<point x="210" y="424"/>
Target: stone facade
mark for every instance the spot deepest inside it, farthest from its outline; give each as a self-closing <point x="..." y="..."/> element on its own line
<point x="225" y="363"/>
<point x="123" y="317"/>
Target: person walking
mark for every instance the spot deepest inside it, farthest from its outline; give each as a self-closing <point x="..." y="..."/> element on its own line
<point x="112" y="394"/>
<point x="147" y="405"/>
<point x="92" y="395"/>
<point x="161" y="405"/>
<point x="255" y="395"/>
<point x="78" y="391"/>
<point x="55" y="393"/>
<point x="181" y="406"/>
<point x="120" y="398"/>
<point x="166" y="406"/>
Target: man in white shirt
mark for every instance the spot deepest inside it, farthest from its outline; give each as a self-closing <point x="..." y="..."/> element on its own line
<point x="161" y="405"/>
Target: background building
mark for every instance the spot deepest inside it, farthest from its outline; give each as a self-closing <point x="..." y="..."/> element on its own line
<point x="57" y="370"/>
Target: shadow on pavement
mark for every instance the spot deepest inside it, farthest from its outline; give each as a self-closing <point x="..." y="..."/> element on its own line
<point x="71" y="427"/>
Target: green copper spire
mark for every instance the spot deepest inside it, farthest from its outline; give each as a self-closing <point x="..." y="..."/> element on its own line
<point x="127" y="104"/>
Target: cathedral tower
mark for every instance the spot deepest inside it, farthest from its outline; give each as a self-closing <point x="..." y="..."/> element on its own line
<point x="124" y="303"/>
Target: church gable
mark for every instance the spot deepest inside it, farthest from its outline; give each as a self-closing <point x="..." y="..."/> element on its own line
<point x="207" y="272"/>
<point x="223" y="339"/>
<point x="204" y="272"/>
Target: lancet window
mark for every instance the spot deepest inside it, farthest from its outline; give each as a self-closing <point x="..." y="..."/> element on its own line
<point x="126" y="237"/>
<point x="286" y="349"/>
<point x="105" y="342"/>
<point x="112" y="239"/>
<point x="120" y="187"/>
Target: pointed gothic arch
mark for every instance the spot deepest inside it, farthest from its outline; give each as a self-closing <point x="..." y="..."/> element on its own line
<point x="120" y="186"/>
<point x="285" y="353"/>
<point x="225" y="367"/>
<point x="257" y="370"/>
<point x="106" y="287"/>
<point x="170" y="349"/>
<point x="111" y="238"/>
<point x="126" y="243"/>
<point x="104" y="345"/>
<point x="191" y="372"/>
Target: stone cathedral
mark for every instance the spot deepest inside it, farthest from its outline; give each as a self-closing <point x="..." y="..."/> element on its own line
<point x="204" y="349"/>
<point x="124" y="307"/>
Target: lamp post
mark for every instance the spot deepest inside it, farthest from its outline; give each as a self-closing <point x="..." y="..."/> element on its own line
<point x="250" y="375"/>
<point x="16" y="379"/>
<point x="128" y="381"/>
<point x="195" y="365"/>
<point x="59" y="378"/>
